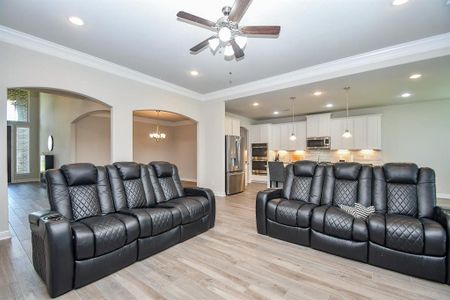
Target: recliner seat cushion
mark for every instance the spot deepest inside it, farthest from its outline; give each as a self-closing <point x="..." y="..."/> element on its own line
<point x="335" y="222"/>
<point x="408" y="234"/>
<point x="154" y="221"/>
<point x="404" y="233"/>
<point x="95" y="236"/>
<point x="290" y="212"/>
<point x="192" y="208"/>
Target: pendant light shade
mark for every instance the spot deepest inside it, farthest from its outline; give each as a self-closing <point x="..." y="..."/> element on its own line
<point x="293" y="137"/>
<point x="347" y="133"/>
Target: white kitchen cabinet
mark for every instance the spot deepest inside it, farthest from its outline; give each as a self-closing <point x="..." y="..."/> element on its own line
<point x="281" y="133"/>
<point x="359" y="132"/>
<point x="275" y="137"/>
<point x="374" y="132"/>
<point x="300" y="132"/>
<point x="365" y="130"/>
<point x="260" y="133"/>
<point x="286" y="130"/>
<point x="318" y="125"/>
<point x="337" y="129"/>
<point x="232" y="126"/>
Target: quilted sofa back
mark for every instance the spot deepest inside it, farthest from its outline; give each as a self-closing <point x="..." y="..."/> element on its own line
<point x="404" y="189"/>
<point x="347" y="184"/>
<point x="304" y="180"/>
<point x="165" y="181"/>
<point x="130" y="185"/>
<point x="79" y="191"/>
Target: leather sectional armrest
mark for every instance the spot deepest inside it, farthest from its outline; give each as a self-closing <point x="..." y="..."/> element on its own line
<point x="208" y="194"/>
<point x="442" y="216"/>
<point x="35" y="217"/>
<point x="53" y="258"/>
<point x="261" y="204"/>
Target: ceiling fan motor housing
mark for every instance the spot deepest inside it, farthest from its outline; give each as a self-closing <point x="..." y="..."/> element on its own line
<point x="226" y="10"/>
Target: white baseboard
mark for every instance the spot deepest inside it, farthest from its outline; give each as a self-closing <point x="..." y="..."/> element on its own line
<point x="443" y="195"/>
<point x="219" y="194"/>
<point x="5" y="235"/>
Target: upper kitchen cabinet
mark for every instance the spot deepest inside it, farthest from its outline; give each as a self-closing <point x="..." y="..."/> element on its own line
<point x="365" y="130"/>
<point x="374" y="132"/>
<point x="318" y="125"/>
<point x="260" y="133"/>
<point x="232" y="126"/>
<point x="281" y="133"/>
<point x="275" y="137"/>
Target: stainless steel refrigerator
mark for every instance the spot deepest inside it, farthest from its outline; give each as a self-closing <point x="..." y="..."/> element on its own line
<point x="234" y="173"/>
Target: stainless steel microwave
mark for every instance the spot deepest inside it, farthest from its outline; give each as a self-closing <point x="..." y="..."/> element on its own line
<point x="318" y="143"/>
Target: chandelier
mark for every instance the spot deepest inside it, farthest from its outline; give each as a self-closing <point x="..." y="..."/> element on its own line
<point x="157" y="135"/>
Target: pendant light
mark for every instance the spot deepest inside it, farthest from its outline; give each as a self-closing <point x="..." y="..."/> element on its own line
<point x="157" y="135"/>
<point x="293" y="137"/>
<point x="347" y="133"/>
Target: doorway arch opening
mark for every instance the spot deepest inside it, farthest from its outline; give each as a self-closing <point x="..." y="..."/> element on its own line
<point x="179" y="145"/>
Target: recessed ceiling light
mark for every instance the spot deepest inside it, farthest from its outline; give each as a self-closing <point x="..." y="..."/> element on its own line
<point x="76" y="20"/>
<point x="415" y="76"/>
<point x="329" y="105"/>
<point x="194" y="73"/>
<point x="317" y="93"/>
<point x="255" y="104"/>
<point x="399" y="2"/>
<point x="406" y="95"/>
<point x="276" y="112"/>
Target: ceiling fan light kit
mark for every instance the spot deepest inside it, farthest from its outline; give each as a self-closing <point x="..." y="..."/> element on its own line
<point x="229" y="35"/>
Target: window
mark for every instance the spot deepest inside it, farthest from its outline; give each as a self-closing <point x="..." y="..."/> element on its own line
<point x="22" y="150"/>
<point x="17" y="105"/>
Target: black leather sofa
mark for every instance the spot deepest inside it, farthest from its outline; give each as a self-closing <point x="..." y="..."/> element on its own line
<point x="103" y="219"/>
<point x="408" y="233"/>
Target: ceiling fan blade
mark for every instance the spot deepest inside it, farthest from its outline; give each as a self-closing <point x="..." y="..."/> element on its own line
<point x="200" y="46"/>
<point x="194" y="19"/>
<point x="238" y="53"/>
<point x="238" y="10"/>
<point x="264" y="30"/>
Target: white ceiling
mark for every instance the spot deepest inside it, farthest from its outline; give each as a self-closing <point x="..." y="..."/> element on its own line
<point x="146" y="36"/>
<point x="374" y="88"/>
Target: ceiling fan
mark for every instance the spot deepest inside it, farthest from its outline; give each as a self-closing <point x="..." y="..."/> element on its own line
<point x="228" y="33"/>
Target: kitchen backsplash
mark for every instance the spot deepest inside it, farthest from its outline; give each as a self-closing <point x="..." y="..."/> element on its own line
<point x="362" y="156"/>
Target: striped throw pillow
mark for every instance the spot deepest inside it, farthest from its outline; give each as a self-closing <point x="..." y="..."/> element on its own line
<point x="358" y="211"/>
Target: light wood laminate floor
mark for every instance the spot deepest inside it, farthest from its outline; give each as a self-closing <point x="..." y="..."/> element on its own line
<point x="231" y="261"/>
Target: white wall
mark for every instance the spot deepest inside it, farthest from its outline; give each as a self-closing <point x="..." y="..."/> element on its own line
<point x="93" y="140"/>
<point x="56" y="116"/>
<point x="22" y="67"/>
<point x="179" y="148"/>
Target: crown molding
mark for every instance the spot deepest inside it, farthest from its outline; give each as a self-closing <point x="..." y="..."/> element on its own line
<point x="427" y="48"/>
<point x="24" y="40"/>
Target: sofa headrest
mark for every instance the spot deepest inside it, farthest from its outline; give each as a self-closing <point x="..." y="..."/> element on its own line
<point x="80" y="174"/>
<point x="162" y="168"/>
<point x="347" y="171"/>
<point x="401" y="173"/>
<point x="128" y="170"/>
<point x="304" y="168"/>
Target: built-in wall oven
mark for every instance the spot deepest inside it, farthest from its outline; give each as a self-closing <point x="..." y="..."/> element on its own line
<point x="259" y="159"/>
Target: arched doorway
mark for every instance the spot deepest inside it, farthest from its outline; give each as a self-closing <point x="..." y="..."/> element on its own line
<point x="178" y="147"/>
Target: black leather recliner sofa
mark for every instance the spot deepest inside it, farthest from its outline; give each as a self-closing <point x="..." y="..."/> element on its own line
<point x="104" y="219"/>
<point x="408" y="233"/>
